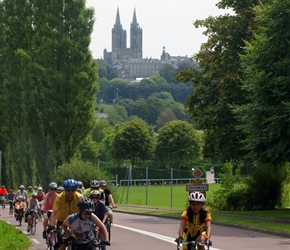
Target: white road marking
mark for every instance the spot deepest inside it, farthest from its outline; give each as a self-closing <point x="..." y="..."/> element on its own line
<point x="35" y="241"/>
<point x="154" y="235"/>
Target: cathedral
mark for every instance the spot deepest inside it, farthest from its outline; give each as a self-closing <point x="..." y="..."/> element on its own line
<point x="128" y="61"/>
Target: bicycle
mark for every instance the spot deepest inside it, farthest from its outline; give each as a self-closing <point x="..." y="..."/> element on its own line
<point x="40" y="212"/>
<point x="31" y="227"/>
<point x="19" y="215"/>
<point x="2" y="201"/>
<point x="11" y="209"/>
<point x="108" y="226"/>
<point x="51" y="238"/>
<point x="194" y="245"/>
<point x="75" y="244"/>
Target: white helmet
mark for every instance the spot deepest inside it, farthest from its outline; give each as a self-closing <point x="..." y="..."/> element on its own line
<point x="196" y="196"/>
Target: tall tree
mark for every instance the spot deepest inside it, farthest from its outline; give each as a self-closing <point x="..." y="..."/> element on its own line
<point x="265" y="117"/>
<point x="217" y="85"/>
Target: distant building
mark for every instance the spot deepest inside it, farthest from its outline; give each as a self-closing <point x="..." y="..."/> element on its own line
<point x="129" y="62"/>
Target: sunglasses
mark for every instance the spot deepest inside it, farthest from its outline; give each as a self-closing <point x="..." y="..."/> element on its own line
<point x="94" y="188"/>
<point x="86" y="213"/>
<point x="95" y="197"/>
<point x="70" y="189"/>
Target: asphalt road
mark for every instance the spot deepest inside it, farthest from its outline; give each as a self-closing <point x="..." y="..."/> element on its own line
<point x="143" y="232"/>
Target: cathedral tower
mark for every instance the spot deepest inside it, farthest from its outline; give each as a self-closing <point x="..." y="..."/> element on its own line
<point x="135" y="38"/>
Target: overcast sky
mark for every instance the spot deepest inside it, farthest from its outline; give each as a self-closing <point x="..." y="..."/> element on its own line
<point x="166" y="23"/>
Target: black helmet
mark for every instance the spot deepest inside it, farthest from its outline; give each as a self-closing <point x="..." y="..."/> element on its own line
<point x="103" y="183"/>
<point x="86" y="204"/>
<point x="95" y="183"/>
<point x="29" y="187"/>
<point x="52" y="185"/>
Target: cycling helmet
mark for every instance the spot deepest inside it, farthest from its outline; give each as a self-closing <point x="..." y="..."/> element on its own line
<point x="52" y="185"/>
<point x="29" y="187"/>
<point x="95" y="183"/>
<point x="85" y="204"/>
<point x="103" y="183"/>
<point x="21" y="187"/>
<point x="80" y="184"/>
<point x="20" y="197"/>
<point x="39" y="189"/>
<point x="3" y="186"/>
<point x="34" y="195"/>
<point x="60" y="189"/>
<point x="70" y="183"/>
<point x="95" y="192"/>
<point x="196" y="196"/>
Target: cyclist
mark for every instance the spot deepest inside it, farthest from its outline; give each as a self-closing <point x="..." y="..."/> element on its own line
<point x="64" y="205"/>
<point x="80" y="187"/>
<point x="10" y="198"/>
<point x="21" y="192"/>
<point x="100" y="210"/>
<point x="48" y="205"/>
<point x="33" y="207"/>
<point x="20" y="204"/>
<point x="59" y="189"/>
<point x="94" y="185"/>
<point x="195" y="221"/>
<point x="81" y="225"/>
<point x="40" y="196"/>
<point x="30" y="191"/>
<point x="3" y="193"/>
<point x="107" y="198"/>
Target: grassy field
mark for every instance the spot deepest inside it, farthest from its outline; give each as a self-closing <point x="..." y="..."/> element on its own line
<point x="12" y="238"/>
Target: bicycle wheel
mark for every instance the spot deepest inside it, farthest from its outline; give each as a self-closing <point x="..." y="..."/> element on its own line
<point x="33" y="225"/>
<point x="20" y="216"/>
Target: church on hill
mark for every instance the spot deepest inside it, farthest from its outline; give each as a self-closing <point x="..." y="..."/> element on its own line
<point x="128" y="61"/>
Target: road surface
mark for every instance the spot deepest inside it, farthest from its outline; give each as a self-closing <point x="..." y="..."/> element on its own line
<point x="143" y="232"/>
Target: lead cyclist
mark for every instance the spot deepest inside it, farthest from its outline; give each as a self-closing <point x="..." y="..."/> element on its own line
<point x="107" y="198"/>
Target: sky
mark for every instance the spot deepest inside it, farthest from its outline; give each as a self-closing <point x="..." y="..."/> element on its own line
<point x="167" y="23"/>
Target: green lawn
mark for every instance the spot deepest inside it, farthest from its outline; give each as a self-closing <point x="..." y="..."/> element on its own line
<point x="12" y="238"/>
<point x="157" y="196"/>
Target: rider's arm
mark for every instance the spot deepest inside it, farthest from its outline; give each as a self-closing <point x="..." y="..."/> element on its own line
<point x="44" y="200"/>
<point x="208" y="229"/>
<point x="101" y="226"/>
<point x="65" y="226"/>
<point x="14" y="198"/>
<point x="53" y="218"/>
<point x="112" y="201"/>
<point x="181" y="227"/>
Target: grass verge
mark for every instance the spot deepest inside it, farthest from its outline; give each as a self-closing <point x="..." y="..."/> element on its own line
<point x="12" y="238"/>
<point x="276" y="221"/>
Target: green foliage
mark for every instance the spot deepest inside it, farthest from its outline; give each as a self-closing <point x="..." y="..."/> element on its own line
<point x="177" y="143"/>
<point x="80" y="171"/>
<point x="230" y="196"/>
<point x="134" y="141"/>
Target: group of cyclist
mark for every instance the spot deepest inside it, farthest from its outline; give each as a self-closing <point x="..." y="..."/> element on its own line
<point x="71" y="207"/>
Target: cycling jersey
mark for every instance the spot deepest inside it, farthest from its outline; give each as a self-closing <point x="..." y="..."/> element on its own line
<point x="100" y="210"/>
<point x="105" y="196"/>
<point x="3" y="191"/>
<point x="194" y="227"/>
<point x="81" y="229"/>
<point x="49" y="200"/>
<point x="88" y="191"/>
<point x="65" y="207"/>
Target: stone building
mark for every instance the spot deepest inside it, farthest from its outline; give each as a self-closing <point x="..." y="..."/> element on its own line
<point x="128" y="61"/>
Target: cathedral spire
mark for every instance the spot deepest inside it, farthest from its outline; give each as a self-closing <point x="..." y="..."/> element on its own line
<point x="134" y="22"/>
<point x="118" y="21"/>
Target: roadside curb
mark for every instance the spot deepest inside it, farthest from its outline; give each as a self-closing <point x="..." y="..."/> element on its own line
<point x="260" y="230"/>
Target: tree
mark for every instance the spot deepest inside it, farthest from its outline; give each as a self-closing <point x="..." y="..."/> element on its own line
<point x="168" y="72"/>
<point x="265" y="116"/>
<point x="177" y="143"/>
<point x="164" y="117"/>
<point x="133" y="142"/>
<point x="51" y="83"/>
<point x="217" y="84"/>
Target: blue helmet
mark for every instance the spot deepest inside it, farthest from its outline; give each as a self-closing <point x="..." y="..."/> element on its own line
<point x="70" y="183"/>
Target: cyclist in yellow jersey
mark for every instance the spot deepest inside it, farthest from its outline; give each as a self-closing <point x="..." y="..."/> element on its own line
<point x="94" y="185"/>
<point x="195" y="222"/>
<point x="64" y="205"/>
